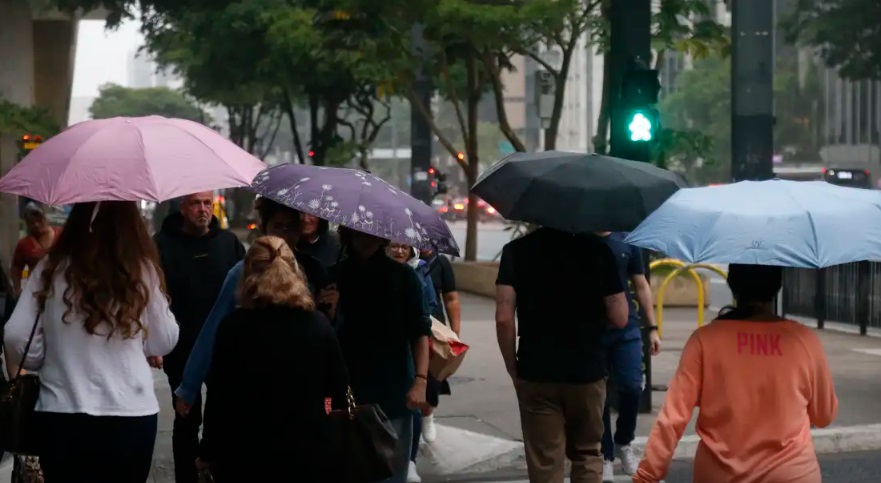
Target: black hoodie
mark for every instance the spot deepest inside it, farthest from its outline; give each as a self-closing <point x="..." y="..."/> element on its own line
<point x="326" y="249"/>
<point x="195" y="268"/>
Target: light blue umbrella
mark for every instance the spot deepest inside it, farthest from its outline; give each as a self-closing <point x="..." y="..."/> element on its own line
<point x="807" y="224"/>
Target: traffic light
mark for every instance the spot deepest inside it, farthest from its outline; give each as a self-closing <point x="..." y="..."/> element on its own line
<point x="460" y="156"/>
<point x="636" y="122"/>
<point x="642" y="125"/>
<point x="29" y="142"/>
<point x="438" y="181"/>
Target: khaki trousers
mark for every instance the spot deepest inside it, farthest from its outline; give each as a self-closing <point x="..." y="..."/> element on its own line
<point x="562" y="421"/>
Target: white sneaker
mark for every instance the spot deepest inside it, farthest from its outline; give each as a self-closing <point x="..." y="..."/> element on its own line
<point x="629" y="461"/>
<point x="429" y="430"/>
<point x="608" y="471"/>
<point x="412" y="475"/>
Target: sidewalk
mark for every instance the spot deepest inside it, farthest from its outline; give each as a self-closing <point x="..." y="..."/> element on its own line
<point x="479" y="425"/>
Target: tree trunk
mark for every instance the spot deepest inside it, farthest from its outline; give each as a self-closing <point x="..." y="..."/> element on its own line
<point x="314" y="128"/>
<point x="601" y="140"/>
<point x="473" y="160"/>
<point x="292" y="120"/>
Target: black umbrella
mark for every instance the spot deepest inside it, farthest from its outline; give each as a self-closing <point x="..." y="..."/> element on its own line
<point x="574" y="192"/>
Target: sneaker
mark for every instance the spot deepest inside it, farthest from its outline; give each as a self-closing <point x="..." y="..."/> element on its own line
<point x="412" y="475"/>
<point x="608" y="471"/>
<point x="629" y="461"/>
<point x="429" y="430"/>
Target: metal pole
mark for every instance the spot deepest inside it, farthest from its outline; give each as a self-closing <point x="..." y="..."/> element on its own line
<point x="752" y="89"/>
<point x="420" y="129"/>
<point x="631" y="22"/>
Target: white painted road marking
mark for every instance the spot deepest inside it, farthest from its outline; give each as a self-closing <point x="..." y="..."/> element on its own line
<point x="871" y="352"/>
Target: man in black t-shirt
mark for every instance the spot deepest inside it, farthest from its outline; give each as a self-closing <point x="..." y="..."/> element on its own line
<point x="565" y="290"/>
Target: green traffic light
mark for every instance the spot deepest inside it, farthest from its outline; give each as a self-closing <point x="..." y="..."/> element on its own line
<point x="640" y="128"/>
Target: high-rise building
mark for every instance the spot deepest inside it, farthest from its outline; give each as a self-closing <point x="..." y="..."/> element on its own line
<point x="144" y="72"/>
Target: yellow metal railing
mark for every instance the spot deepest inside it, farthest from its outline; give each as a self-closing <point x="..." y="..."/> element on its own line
<point x="680" y="268"/>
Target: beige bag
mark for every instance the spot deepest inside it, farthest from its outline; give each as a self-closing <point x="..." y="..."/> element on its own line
<point x="446" y="351"/>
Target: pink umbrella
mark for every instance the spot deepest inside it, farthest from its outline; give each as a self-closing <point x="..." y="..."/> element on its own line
<point x="130" y="159"/>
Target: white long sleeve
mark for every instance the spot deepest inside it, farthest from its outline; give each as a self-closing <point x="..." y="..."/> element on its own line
<point x="162" y="328"/>
<point x="21" y="323"/>
<point x="84" y="373"/>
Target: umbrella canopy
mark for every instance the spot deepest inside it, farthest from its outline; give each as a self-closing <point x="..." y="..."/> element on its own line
<point x="576" y="193"/>
<point x="357" y="200"/>
<point x="808" y="224"/>
<point x="130" y="159"/>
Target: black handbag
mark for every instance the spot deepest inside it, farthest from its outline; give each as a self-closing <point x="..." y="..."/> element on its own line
<point x="363" y="442"/>
<point x="18" y="398"/>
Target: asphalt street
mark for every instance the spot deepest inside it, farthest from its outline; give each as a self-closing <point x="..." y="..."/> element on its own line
<point x="856" y="467"/>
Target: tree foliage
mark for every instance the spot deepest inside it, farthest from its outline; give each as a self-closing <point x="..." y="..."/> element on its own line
<point x="115" y="100"/>
<point x="19" y="120"/>
<point x="847" y="34"/>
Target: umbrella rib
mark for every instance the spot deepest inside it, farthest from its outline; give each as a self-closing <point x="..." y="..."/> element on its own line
<point x="149" y="167"/>
<point x="816" y="246"/>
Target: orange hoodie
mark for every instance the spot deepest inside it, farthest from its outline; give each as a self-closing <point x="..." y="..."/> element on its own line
<point x="760" y="386"/>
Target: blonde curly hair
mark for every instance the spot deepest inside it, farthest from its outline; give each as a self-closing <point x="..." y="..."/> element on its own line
<point x="272" y="276"/>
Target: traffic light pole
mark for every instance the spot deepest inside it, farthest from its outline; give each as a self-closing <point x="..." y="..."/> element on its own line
<point x="752" y="89"/>
<point x="631" y="23"/>
<point x="631" y="43"/>
<point x="420" y="129"/>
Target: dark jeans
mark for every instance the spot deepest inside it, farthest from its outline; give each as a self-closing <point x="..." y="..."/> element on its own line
<point x="98" y="449"/>
<point x="185" y="437"/>
<point x="625" y="369"/>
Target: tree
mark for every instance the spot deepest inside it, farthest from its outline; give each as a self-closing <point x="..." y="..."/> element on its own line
<point x="847" y="34"/>
<point x="558" y="26"/>
<point x="114" y="100"/>
<point x="18" y="120"/>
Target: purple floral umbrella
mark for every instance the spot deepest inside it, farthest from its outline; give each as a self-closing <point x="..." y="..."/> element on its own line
<point x="357" y="200"/>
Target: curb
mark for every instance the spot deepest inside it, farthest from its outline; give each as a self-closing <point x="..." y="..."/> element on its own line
<point x="828" y="440"/>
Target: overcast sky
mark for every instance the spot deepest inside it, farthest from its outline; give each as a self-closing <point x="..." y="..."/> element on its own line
<point x="102" y="56"/>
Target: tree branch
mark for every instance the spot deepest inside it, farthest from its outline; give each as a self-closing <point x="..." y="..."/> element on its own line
<point x="537" y="57"/>
<point x="441" y="138"/>
<point x="454" y="98"/>
<point x="499" y="95"/>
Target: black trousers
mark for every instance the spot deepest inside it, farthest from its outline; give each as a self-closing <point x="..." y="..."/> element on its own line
<point x="98" y="449"/>
<point x="185" y="436"/>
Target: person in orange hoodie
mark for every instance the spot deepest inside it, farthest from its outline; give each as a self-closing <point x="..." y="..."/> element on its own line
<point x="760" y="381"/>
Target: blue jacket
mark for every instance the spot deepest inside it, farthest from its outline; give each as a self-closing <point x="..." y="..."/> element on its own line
<point x="199" y="361"/>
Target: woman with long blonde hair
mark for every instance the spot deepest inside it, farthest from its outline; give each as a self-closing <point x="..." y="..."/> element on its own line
<point x="276" y="360"/>
<point x="100" y="310"/>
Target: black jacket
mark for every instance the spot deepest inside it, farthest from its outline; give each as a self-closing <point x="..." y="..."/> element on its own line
<point x="195" y="268"/>
<point x="326" y="249"/>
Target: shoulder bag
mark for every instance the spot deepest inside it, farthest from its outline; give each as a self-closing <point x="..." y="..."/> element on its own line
<point x="363" y="441"/>
<point x="18" y="399"/>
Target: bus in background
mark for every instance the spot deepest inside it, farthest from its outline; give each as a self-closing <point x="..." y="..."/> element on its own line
<point x="850" y="177"/>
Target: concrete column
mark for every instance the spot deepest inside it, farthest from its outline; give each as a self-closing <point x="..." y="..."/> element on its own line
<point x="16" y="85"/>
<point x="54" y="53"/>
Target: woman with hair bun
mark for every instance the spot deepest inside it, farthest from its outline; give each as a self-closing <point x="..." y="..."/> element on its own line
<point x="276" y="359"/>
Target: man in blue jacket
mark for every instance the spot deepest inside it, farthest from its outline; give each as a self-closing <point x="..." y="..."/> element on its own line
<point x="624" y="353"/>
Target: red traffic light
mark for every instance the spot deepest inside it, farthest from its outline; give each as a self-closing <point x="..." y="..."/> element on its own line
<point x="311" y="154"/>
<point x="431" y="171"/>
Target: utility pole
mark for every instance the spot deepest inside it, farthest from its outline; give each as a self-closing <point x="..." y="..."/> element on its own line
<point x="631" y="55"/>
<point x="752" y="89"/>
<point x="420" y="129"/>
